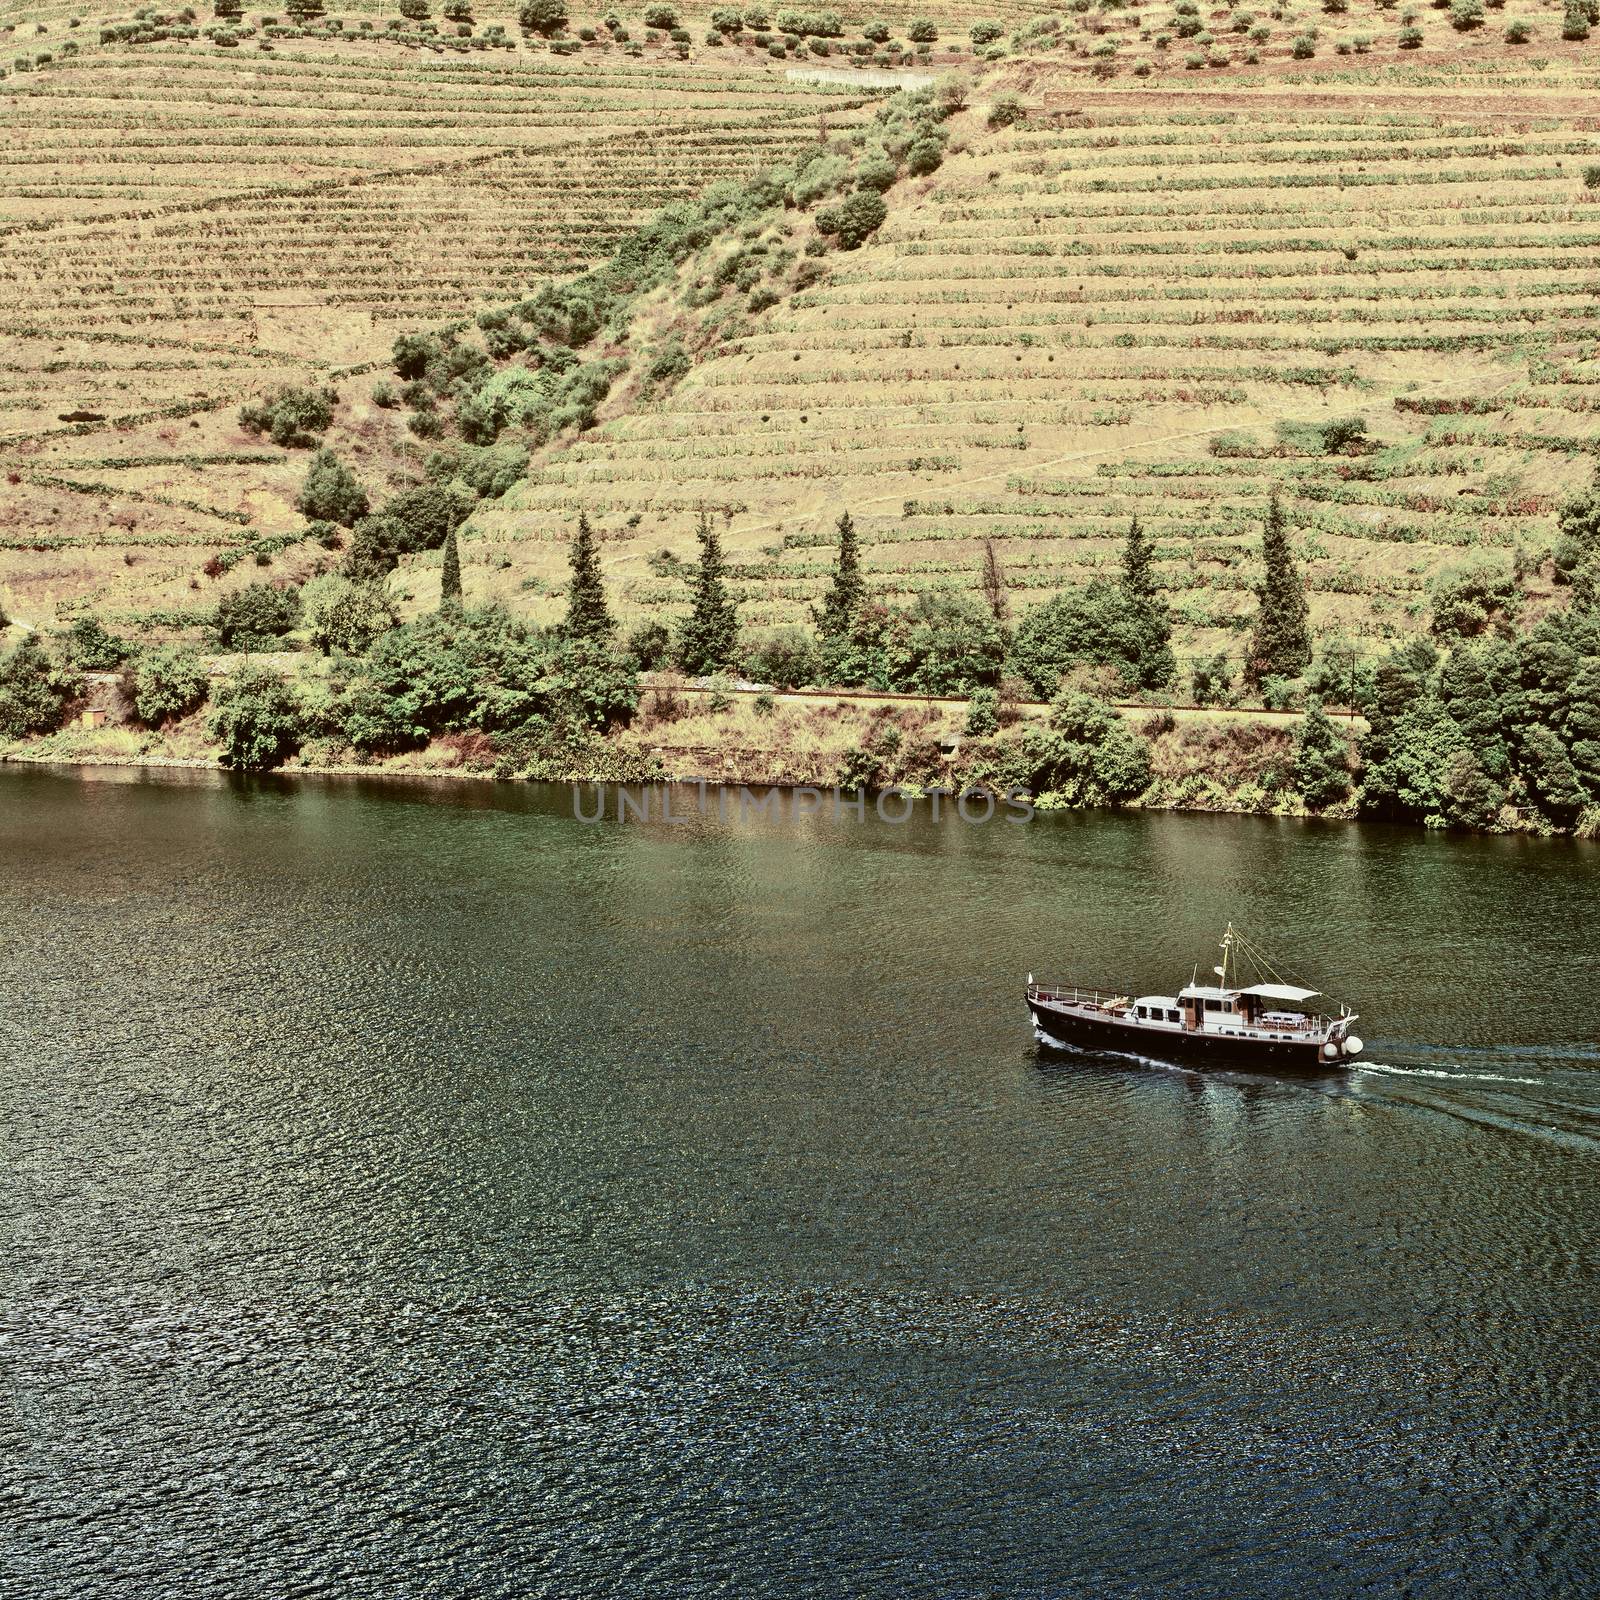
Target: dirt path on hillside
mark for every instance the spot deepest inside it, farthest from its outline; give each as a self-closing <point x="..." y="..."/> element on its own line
<point x="1583" y="111"/>
<point x="871" y="697"/>
<point x="1063" y="90"/>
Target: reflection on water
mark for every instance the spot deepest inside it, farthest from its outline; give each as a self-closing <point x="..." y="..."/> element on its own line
<point x="416" y="1191"/>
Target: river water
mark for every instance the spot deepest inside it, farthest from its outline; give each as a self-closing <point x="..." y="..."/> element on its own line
<point x="414" y="1191"/>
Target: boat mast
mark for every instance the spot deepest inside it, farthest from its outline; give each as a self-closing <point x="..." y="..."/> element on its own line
<point x="1227" y="950"/>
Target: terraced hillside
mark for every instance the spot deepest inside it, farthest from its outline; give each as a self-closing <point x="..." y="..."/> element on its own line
<point x="1150" y="294"/>
<point x="1139" y="303"/>
<point x="182" y="228"/>
<point x="297" y="211"/>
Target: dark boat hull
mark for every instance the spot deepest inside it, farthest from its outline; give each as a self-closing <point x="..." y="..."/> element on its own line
<point x="1064" y="1029"/>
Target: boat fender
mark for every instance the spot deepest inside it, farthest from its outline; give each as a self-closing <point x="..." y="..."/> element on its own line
<point x="1331" y="1051"/>
<point x="1352" y="1046"/>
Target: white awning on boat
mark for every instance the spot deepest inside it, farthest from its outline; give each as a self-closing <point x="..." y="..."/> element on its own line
<point x="1281" y="991"/>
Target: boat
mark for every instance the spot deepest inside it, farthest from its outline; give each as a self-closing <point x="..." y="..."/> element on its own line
<point x="1265" y="1021"/>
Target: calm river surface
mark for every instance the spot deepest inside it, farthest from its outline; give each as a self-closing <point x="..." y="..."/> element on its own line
<point x="413" y="1191"/>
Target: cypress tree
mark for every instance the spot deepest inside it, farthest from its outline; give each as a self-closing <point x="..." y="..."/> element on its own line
<point x="1321" y="760"/>
<point x="843" y="600"/>
<point x="1152" y="625"/>
<point x="587" y="616"/>
<point x="994" y="584"/>
<point x="450" y="575"/>
<point x="709" y="638"/>
<point x="1280" y="646"/>
<point x="1137" y="577"/>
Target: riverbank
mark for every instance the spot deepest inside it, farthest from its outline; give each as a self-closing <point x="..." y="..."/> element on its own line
<point x="1208" y="760"/>
<point x="1224" y="760"/>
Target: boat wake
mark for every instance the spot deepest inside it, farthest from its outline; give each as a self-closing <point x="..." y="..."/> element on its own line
<point x="1559" y="1107"/>
<point x="1460" y="1075"/>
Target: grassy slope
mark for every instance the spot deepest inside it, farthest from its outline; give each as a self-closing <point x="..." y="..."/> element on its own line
<point x="183" y="228"/>
<point x="1050" y="333"/>
<point x="1045" y="336"/>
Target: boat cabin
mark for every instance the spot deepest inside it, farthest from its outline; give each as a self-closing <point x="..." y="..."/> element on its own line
<point x="1199" y="1006"/>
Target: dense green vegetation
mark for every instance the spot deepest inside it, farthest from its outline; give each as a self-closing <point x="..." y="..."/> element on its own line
<point x="1495" y="722"/>
<point x="36" y="690"/>
<point x="1484" y="727"/>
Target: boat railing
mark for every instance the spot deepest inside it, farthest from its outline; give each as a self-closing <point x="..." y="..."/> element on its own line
<point x="1301" y="1023"/>
<point x="1076" y="995"/>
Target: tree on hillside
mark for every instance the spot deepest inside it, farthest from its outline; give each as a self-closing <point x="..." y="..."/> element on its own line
<point x="854" y="219"/>
<point x="1479" y="600"/>
<point x="1478" y="685"/>
<point x="1406" y="747"/>
<point x="591" y="684"/>
<point x="1157" y="665"/>
<point x="1137" y="554"/>
<point x="168" y="682"/>
<point x="1098" y="625"/>
<point x="841" y="610"/>
<point x="1321" y="761"/>
<point x="341" y="615"/>
<point x="1280" y="645"/>
<point x="1086" y="756"/>
<point x="587" y="614"/>
<point x="331" y="492"/>
<point x="848" y="589"/>
<point x="292" y="418"/>
<point x="256" y="617"/>
<point x="34" y="690"/>
<point x="1576" y="556"/>
<point x="543" y="16"/>
<point x="1472" y="796"/>
<point x="450" y="574"/>
<point x="92" y="646"/>
<point x="257" y="719"/>
<point x="414" y="10"/>
<point x="415" y="519"/>
<point x="946" y="643"/>
<point x="994" y="584"/>
<point x="709" y="637"/>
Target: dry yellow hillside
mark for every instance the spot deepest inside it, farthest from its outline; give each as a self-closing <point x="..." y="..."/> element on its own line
<point x="1112" y="310"/>
<point x="183" y="228"/>
<point x="1140" y="298"/>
